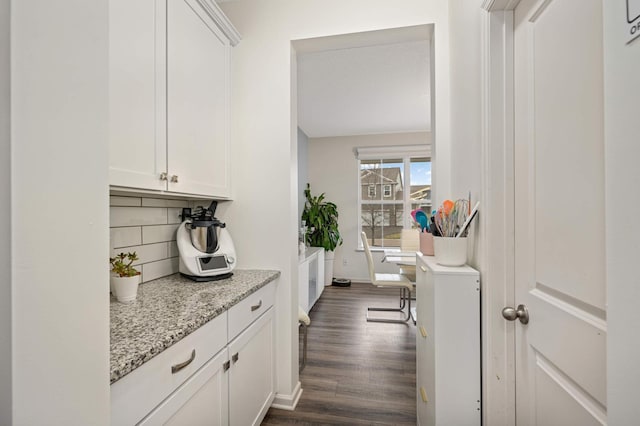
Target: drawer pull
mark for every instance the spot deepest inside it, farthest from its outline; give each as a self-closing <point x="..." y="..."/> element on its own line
<point x="423" y="269"/>
<point x="423" y="394"/>
<point x="423" y="332"/>
<point x="234" y="358"/>
<point x="256" y="307"/>
<point x="178" y="367"/>
<point x="226" y="365"/>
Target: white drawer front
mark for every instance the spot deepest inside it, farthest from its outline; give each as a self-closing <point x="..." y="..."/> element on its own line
<point x="137" y="393"/>
<point x="248" y="310"/>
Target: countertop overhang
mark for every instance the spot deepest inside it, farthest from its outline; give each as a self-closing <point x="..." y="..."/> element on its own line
<point x="168" y="309"/>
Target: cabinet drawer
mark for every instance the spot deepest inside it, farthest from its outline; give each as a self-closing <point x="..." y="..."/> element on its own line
<point x="248" y="310"/>
<point x="137" y="393"/>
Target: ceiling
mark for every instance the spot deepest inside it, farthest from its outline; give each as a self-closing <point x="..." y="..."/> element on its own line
<point x="364" y="83"/>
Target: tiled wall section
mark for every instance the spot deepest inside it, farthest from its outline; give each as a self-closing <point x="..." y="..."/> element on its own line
<point x="147" y="226"/>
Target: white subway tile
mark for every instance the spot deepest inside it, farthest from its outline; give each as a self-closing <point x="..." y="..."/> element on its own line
<point x="174" y="215"/>
<point x="135" y="216"/>
<point x="159" y="233"/>
<point x="125" y="201"/>
<point x="147" y="253"/>
<point x="151" y="271"/>
<point x="124" y="237"/>
<point x="158" y="202"/>
<point x="173" y="249"/>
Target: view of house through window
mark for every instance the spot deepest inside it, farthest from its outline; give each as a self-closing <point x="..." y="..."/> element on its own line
<point x="389" y="190"/>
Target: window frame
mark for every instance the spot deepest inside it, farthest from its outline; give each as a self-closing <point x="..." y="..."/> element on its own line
<point x="406" y="154"/>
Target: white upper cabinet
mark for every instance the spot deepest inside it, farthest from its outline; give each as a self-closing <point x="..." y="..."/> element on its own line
<point x="169" y="96"/>
<point x="137" y="111"/>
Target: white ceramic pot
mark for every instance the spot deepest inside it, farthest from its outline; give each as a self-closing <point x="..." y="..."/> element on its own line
<point x="450" y="251"/>
<point x="126" y="288"/>
<point x="328" y="267"/>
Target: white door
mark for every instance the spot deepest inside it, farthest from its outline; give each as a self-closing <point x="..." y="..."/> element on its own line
<point x="559" y="208"/>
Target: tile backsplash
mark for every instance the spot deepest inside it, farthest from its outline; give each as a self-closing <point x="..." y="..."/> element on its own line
<point x="147" y="226"/>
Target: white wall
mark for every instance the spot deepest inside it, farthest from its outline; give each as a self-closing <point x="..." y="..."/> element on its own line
<point x="5" y="218"/>
<point x="465" y="45"/>
<point x="59" y="205"/>
<point x="263" y="217"/>
<point x="333" y="169"/>
<point x="622" y="174"/>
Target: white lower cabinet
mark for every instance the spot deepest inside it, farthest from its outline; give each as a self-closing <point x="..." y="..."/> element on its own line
<point x="202" y="400"/>
<point x="221" y="374"/>
<point x="252" y="372"/>
<point x="447" y="344"/>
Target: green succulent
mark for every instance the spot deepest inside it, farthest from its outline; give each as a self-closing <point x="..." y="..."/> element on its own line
<point x="121" y="264"/>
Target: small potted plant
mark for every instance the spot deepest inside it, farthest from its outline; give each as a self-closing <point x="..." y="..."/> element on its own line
<point x="125" y="278"/>
<point x="322" y="219"/>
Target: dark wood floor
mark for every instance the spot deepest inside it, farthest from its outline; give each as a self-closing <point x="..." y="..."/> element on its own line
<point x="357" y="372"/>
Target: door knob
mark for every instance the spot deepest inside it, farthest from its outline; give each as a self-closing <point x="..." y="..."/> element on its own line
<point x="520" y="313"/>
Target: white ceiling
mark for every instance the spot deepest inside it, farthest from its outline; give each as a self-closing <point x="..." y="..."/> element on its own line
<point x="364" y="89"/>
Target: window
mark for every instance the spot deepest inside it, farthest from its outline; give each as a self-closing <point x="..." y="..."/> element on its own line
<point x="403" y="175"/>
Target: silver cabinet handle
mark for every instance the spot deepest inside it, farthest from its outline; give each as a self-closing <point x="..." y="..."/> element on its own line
<point x="174" y="178"/>
<point x="234" y="357"/>
<point x="163" y="176"/>
<point x="226" y="365"/>
<point x="178" y="367"/>
<point x="256" y="307"/>
<point x="423" y="269"/>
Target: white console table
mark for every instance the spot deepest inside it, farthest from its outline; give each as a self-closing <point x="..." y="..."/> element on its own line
<point x="310" y="277"/>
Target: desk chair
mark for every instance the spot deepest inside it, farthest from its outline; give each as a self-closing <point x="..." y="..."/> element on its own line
<point x="303" y="321"/>
<point x="386" y="281"/>
<point x="409" y="242"/>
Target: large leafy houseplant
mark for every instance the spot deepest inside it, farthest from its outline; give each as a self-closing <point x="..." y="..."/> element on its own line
<point x="321" y="218"/>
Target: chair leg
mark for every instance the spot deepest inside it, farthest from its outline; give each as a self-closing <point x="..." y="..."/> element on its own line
<point x="304" y="346"/>
<point x="405" y="297"/>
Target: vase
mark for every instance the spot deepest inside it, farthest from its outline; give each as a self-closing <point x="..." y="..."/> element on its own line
<point x="126" y="288"/>
<point x="450" y="251"/>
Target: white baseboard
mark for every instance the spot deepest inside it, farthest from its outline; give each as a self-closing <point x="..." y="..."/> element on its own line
<point x="288" y="402"/>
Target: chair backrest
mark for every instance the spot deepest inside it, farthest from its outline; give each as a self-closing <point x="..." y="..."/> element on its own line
<point x="410" y="240"/>
<point x="367" y="253"/>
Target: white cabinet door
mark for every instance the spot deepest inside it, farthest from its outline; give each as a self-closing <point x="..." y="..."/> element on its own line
<point x="251" y="376"/>
<point x="201" y="400"/>
<point x="303" y="286"/>
<point x="197" y="101"/>
<point x="137" y="76"/>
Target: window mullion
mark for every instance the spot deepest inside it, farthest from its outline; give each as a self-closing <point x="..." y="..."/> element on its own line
<point x="406" y="223"/>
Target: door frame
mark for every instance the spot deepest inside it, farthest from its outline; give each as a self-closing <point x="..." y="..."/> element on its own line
<point x="497" y="220"/>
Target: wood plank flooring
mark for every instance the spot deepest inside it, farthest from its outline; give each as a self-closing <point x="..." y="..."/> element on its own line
<point x="357" y="372"/>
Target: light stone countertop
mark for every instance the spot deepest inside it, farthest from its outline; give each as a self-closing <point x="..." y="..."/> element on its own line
<point x="168" y="309"/>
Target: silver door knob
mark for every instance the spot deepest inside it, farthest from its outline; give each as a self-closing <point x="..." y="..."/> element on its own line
<point x="520" y="313"/>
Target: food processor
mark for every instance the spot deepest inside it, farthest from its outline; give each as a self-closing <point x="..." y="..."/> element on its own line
<point x="206" y="249"/>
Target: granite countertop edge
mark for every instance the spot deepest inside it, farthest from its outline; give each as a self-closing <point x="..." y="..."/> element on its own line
<point x="136" y="335"/>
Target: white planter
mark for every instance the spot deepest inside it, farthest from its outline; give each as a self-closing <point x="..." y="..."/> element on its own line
<point x="450" y="251"/>
<point x="328" y="267"/>
<point x="126" y="288"/>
